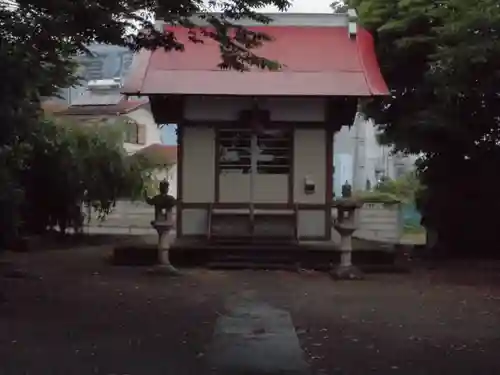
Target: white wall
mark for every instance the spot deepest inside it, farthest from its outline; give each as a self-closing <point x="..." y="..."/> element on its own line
<point x="198" y="158"/>
<point x="310" y="162"/>
<point x="171" y="176"/>
<point x="228" y="109"/>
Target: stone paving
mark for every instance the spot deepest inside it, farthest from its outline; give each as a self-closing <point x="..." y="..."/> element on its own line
<point x="77" y="315"/>
<point x="254" y="338"/>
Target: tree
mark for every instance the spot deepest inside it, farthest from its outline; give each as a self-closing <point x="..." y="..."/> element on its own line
<point x="440" y="61"/>
<point x="71" y="164"/>
<point x="39" y="38"/>
<point x="405" y="188"/>
<point x="339" y="6"/>
<point x="66" y="26"/>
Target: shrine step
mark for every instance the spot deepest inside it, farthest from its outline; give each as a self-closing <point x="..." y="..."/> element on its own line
<point x="252" y="265"/>
<point x="247" y="241"/>
<point x="253" y="260"/>
<point x="270" y="258"/>
<point x="240" y="254"/>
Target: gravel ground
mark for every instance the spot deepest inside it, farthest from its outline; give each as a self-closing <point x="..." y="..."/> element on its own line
<point x="70" y="313"/>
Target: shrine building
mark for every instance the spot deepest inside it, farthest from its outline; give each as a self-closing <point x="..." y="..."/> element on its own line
<point x="255" y="154"/>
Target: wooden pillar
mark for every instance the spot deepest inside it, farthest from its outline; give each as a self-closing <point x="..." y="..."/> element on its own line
<point x="169" y="109"/>
<point x="329" y="182"/>
<point x="180" y="174"/>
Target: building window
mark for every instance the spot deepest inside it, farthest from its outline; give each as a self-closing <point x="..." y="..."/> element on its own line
<point x="268" y="151"/>
<point x="135" y="133"/>
<point x="132" y="132"/>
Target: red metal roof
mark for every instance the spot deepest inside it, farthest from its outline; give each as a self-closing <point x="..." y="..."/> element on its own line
<point x="318" y="61"/>
<point x="159" y="154"/>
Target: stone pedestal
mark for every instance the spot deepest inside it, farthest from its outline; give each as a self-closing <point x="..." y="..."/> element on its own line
<point x="345" y="225"/>
<point x="164" y="266"/>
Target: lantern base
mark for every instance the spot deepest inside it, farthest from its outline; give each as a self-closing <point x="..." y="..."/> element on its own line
<point x="347" y="273"/>
<point x="164" y="270"/>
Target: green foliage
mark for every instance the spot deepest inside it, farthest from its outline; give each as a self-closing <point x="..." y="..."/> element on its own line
<point x="71" y="164"/>
<point x="64" y="27"/>
<point x="440" y="59"/>
<point x="404" y="188"/>
<point x="46" y="168"/>
<point x="377" y="197"/>
<point x="339" y="6"/>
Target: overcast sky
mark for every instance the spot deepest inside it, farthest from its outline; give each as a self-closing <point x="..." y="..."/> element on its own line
<point x="306" y="6"/>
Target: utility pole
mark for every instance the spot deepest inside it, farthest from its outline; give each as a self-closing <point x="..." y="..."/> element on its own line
<point x="358" y="176"/>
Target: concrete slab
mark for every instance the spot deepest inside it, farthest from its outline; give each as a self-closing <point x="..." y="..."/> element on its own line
<point x="254" y="338"/>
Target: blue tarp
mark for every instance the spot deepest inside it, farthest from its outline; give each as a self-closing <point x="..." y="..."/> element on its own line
<point x="411" y="216"/>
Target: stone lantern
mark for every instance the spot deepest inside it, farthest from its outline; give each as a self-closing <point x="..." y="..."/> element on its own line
<point x="163" y="204"/>
<point x="345" y="225"/>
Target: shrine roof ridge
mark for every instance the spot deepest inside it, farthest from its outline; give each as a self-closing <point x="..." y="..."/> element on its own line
<point x="286" y="19"/>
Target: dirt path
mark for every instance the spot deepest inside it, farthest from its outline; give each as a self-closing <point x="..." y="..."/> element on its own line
<point x="82" y="316"/>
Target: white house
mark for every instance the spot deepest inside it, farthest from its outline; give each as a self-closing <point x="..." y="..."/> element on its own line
<point x="102" y="102"/>
<point x="98" y="96"/>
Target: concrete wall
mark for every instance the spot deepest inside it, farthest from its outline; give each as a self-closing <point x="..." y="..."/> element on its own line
<point x="127" y="217"/>
<point x="376" y="221"/>
<point x="380" y="222"/>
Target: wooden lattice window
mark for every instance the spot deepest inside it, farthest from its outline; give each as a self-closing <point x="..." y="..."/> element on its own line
<point x="274" y="151"/>
<point x="268" y="150"/>
<point x="234" y="150"/>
